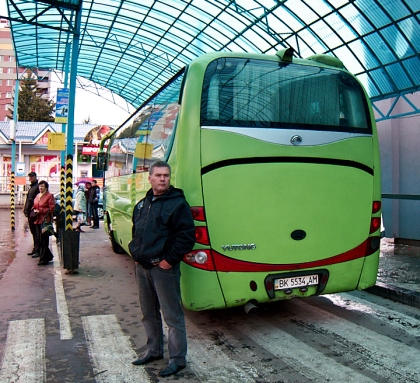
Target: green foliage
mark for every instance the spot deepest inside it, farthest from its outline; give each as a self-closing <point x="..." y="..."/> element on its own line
<point x="31" y="106"/>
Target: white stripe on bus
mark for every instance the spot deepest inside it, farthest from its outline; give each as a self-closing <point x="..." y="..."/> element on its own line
<point x="111" y="352"/>
<point x="283" y="136"/>
<point x="24" y="354"/>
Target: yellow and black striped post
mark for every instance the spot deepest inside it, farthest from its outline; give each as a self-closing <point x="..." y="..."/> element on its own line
<point x="12" y="200"/>
<point x="69" y="192"/>
<point x="62" y="189"/>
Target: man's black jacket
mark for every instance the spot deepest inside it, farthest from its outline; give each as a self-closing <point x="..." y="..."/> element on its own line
<point x="30" y="198"/>
<point x="163" y="228"/>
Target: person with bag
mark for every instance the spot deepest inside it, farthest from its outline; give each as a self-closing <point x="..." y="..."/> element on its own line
<point x="80" y="207"/>
<point x="44" y="207"/>
<point x="29" y="202"/>
<point x="163" y="231"/>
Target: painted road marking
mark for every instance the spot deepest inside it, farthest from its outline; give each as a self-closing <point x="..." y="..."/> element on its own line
<point x="382" y="350"/>
<point x="306" y="360"/>
<point x="111" y="352"/>
<point x="62" y="309"/>
<point x="24" y="355"/>
<point x="211" y="365"/>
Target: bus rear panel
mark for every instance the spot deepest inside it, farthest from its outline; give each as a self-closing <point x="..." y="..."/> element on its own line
<point x="279" y="162"/>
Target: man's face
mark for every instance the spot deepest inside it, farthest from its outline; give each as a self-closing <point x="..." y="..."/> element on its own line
<point x="32" y="179"/>
<point x="160" y="180"/>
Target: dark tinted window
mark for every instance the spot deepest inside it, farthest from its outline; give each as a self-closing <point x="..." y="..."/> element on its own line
<point x="258" y="93"/>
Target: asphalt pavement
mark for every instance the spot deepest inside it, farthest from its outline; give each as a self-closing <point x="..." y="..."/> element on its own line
<point x="398" y="275"/>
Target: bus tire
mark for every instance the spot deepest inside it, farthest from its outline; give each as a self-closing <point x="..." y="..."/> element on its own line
<point x="115" y="246"/>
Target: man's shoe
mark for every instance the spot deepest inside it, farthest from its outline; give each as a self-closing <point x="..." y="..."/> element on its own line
<point x="36" y="255"/>
<point x="170" y="369"/>
<point x="31" y="253"/>
<point x="146" y="359"/>
<point x="95" y="227"/>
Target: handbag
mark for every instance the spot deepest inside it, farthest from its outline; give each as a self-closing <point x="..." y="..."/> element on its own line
<point x="47" y="226"/>
<point x="33" y="215"/>
<point x="81" y="218"/>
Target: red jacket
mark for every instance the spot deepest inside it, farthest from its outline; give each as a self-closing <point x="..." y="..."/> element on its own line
<point x="45" y="204"/>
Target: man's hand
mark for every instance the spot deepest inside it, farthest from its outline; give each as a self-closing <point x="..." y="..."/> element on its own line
<point x="164" y="265"/>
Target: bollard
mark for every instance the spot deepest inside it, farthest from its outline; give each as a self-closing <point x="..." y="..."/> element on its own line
<point x="69" y="242"/>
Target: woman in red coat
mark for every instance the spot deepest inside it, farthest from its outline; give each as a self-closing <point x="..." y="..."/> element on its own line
<point x="44" y="206"/>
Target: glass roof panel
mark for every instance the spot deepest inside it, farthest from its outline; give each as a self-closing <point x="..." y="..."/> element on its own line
<point x="133" y="47"/>
<point x="326" y="34"/>
<point x="411" y="30"/>
<point x="395" y="8"/>
<point x="399" y="76"/>
<point x="397" y="41"/>
<point x="356" y="20"/>
<point x="373" y="13"/>
<point x="381" y="49"/>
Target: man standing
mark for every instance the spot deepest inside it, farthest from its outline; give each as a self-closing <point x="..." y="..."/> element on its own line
<point x="163" y="231"/>
<point x="30" y="198"/>
<point x="93" y="202"/>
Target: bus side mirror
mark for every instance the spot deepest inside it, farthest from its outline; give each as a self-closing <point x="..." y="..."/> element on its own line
<point x="102" y="163"/>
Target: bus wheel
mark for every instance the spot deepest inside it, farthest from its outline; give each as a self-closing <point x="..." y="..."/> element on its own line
<point x="115" y="246"/>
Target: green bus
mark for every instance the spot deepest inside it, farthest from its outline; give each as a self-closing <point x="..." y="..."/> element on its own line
<point x="279" y="160"/>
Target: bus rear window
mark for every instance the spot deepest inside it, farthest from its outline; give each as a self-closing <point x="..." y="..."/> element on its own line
<point x="258" y="93"/>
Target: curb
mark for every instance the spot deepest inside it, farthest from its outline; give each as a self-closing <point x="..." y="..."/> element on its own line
<point x="396" y="294"/>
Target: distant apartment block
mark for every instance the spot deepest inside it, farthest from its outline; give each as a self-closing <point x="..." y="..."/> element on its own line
<point x="8" y="73"/>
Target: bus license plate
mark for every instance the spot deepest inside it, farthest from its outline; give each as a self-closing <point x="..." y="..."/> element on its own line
<point x="293" y="282"/>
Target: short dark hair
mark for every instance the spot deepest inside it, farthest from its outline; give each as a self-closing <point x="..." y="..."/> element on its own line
<point x="44" y="183"/>
<point x="159" y="164"/>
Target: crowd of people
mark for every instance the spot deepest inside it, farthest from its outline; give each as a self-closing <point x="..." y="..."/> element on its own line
<point x="86" y="205"/>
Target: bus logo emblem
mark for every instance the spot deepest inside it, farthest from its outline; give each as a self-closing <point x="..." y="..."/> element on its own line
<point x="250" y="246"/>
<point x="296" y="140"/>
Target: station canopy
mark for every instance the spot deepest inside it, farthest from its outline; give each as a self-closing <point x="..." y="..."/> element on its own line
<point x="132" y="47"/>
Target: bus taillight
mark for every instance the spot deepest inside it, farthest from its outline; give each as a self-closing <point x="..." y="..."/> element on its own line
<point x="202" y="235"/>
<point x="376" y="206"/>
<point x="201" y="259"/>
<point x="198" y="213"/>
<point x="375" y="224"/>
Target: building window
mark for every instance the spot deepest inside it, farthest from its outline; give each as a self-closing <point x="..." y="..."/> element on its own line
<point x="8" y="94"/>
<point x="6" y="106"/>
<point x="10" y="70"/>
<point x="11" y="58"/>
<point x="10" y="82"/>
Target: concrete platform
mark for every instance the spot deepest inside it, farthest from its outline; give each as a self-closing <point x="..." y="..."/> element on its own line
<point x="399" y="273"/>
